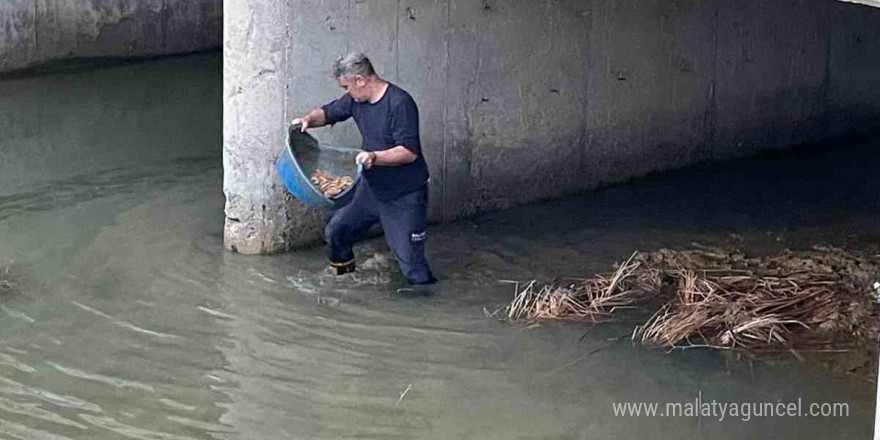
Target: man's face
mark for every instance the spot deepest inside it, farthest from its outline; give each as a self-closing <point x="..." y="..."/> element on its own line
<point x="355" y="86"/>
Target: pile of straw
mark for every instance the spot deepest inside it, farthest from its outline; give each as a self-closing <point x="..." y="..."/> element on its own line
<point x="591" y="299"/>
<point x="712" y="298"/>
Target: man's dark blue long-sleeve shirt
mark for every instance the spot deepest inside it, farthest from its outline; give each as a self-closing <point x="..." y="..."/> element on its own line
<point x="385" y="124"/>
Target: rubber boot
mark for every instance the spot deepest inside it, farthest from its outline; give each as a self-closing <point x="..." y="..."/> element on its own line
<point x="342" y="268"/>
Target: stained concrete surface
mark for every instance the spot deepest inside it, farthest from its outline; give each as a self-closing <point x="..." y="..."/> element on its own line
<point x="522" y="101"/>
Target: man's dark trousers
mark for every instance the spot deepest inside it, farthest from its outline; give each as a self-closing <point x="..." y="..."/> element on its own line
<point x="403" y="220"/>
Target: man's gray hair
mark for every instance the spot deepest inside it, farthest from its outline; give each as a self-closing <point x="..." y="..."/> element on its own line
<point x="352" y="64"/>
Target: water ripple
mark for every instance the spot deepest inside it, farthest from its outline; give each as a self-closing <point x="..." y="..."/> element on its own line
<point x="80" y="189"/>
<point x="34" y="410"/>
<point x="177" y="405"/>
<point x="116" y="382"/>
<point x="216" y="313"/>
<point x="124" y="324"/>
<point x="211" y="427"/>
<point x="11" y="361"/>
<point x="16" y="388"/>
<point x="25" y="433"/>
<point x="16" y="314"/>
<point x="130" y="431"/>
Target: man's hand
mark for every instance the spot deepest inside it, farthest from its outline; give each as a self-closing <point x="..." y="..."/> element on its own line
<point x="303" y="122"/>
<point x="313" y="119"/>
<point x="366" y="158"/>
<point x="393" y="157"/>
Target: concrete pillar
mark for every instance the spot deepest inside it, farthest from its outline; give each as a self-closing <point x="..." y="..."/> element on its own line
<point x="253" y="117"/>
<point x="259" y="214"/>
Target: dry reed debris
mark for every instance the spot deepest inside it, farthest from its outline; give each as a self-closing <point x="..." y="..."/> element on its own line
<point x="718" y="299"/>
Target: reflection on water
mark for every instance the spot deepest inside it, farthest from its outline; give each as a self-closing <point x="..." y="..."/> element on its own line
<point x="80" y="122"/>
<point x="132" y="321"/>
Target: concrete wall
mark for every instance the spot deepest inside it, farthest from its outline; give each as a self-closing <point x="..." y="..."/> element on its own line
<point x="528" y="99"/>
<point x="35" y="31"/>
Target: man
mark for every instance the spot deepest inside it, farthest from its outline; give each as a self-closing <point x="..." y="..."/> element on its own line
<point x="395" y="191"/>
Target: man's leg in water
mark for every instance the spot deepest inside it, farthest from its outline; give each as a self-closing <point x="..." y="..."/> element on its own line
<point x="349" y="225"/>
<point x="404" y="221"/>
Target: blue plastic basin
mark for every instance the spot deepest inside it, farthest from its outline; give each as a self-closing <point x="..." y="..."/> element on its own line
<point x="302" y="155"/>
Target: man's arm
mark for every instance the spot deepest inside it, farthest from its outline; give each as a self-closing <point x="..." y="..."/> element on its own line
<point x="391" y="157"/>
<point x="405" y="137"/>
<point x="313" y="119"/>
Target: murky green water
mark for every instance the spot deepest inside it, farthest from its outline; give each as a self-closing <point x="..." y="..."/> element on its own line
<point x="130" y="320"/>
